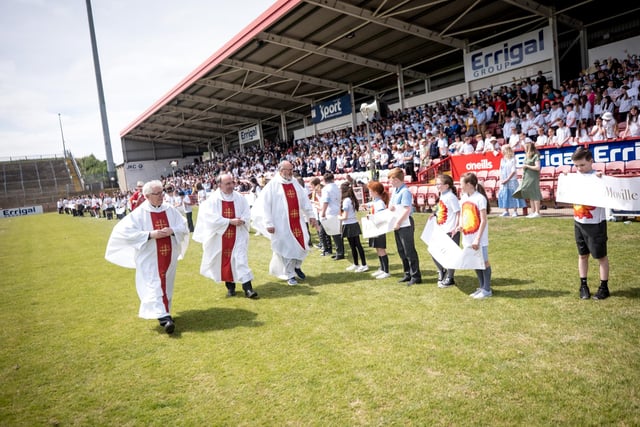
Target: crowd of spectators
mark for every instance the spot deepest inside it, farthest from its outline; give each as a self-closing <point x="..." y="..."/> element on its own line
<point x="600" y="103"/>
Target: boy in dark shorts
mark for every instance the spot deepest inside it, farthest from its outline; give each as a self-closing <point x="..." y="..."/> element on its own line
<point x="590" y="228"/>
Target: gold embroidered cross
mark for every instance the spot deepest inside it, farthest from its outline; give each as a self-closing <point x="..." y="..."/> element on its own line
<point x="228" y="212"/>
<point x="160" y="224"/>
<point x="165" y="250"/>
<point x="228" y="234"/>
<point x="291" y="194"/>
<point x="294" y="213"/>
<point x="297" y="233"/>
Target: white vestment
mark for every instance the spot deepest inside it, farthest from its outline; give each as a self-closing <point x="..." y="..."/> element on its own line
<point x="271" y="210"/>
<point x="129" y="246"/>
<point x="210" y="227"/>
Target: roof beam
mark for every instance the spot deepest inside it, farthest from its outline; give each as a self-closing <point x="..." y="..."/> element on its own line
<point x="263" y="69"/>
<point x="251" y="91"/>
<point x="545" y="11"/>
<point x="194" y="133"/>
<point x="163" y="138"/>
<point x="337" y="54"/>
<point x="237" y="105"/>
<point x="216" y="116"/>
<point x="393" y="23"/>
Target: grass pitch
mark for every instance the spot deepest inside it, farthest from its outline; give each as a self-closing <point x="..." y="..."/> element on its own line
<point x="340" y="349"/>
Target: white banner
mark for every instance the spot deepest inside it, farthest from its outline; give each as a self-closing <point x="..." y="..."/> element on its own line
<point x="607" y="191"/>
<point x="377" y="224"/>
<point x="447" y="253"/>
<point x="249" y="134"/>
<point x="331" y="225"/>
<point x="529" y="48"/>
<point x="25" y="210"/>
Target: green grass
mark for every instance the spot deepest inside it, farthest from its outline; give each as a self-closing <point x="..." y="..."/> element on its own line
<point x="340" y="349"/>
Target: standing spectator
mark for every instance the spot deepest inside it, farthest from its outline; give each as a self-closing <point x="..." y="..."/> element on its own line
<point x="610" y="126"/>
<point x="201" y="192"/>
<point x="598" y="132"/>
<point x="330" y="199"/>
<point x="508" y="183"/>
<point x="402" y="201"/>
<point x="188" y="209"/>
<point x="137" y="198"/>
<point x="446" y="214"/>
<point x="286" y="208"/>
<point x="633" y="125"/>
<point x="351" y="228"/>
<point x="223" y="230"/>
<point x="590" y="229"/>
<point x="530" y="186"/>
<point x="379" y="203"/>
<point x="475" y="228"/>
<point x="151" y="239"/>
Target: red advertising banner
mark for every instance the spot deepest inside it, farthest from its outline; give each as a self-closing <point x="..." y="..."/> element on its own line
<point x="474" y="163"/>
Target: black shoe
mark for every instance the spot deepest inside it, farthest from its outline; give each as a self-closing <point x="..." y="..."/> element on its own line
<point x="231" y="294"/>
<point x="584" y="292"/>
<point x="446" y="283"/>
<point x="325" y="253"/>
<point x="250" y="293"/>
<point x="169" y="326"/>
<point x="334" y="256"/>
<point x="404" y="279"/>
<point x="414" y="282"/>
<point x="300" y="274"/>
<point x="603" y="293"/>
<point x="338" y="257"/>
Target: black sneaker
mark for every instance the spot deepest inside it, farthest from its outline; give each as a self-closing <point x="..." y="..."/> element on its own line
<point x="446" y="283"/>
<point x="584" y="292"/>
<point x="250" y="293"/>
<point x="603" y="293"/>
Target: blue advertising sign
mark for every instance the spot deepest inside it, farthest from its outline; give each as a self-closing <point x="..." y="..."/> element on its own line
<point x="603" y="152"/>
<point x="331" y="109"/>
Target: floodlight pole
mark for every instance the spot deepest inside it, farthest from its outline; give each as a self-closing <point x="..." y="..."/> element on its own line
<point x="64" y="148"/>
<point x="111" y="169"/>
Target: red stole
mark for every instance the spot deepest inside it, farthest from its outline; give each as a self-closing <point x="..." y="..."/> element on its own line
<point x="228" y="242"/>
<point x="294" y="213"/>
<point x="163" y="248"/>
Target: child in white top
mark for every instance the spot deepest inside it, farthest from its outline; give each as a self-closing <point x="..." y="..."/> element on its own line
<point x="446" y="212"/>
<point x="380" y="199"/>
<point x="475" y="228"/>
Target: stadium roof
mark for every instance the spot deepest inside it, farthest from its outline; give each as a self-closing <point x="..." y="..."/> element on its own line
<point x="301" y="52"/>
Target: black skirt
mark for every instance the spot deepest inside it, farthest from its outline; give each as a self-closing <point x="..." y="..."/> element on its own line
<point x="351" y="230"/>
<point x="378" y="242"/>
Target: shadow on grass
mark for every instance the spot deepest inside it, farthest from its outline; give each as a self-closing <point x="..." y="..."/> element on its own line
<point x="281" y="289"/>
<point x="468" y="285"/>
<point x="214" y="319"/>
<point x="626" y="293"/>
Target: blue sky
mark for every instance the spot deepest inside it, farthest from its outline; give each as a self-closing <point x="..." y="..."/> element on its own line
<point x="146" y="47"/>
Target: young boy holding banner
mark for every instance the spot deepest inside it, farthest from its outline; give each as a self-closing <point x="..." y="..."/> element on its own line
<point x="590" y="229"/>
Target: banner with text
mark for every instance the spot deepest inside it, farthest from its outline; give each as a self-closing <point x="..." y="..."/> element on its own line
<point x="606" y="191"/>
<point x="249" y="134"/>
<point x="25" y="210"/>
<point x="527" y="49"/>
<point x="603" y="152"/>
<point x="331" y="109"/>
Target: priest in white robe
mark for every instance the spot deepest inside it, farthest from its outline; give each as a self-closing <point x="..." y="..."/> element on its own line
<point x="223" y="230"/>
<point x="282" y="210"/>
<point x="151" y="239"/>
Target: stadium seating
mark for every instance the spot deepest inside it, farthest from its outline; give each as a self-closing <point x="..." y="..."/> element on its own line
<point x="632" y="167"/>
<point x="614" y="168"/>
<point x="491" y="188"/>
<point x="432" y="196"/>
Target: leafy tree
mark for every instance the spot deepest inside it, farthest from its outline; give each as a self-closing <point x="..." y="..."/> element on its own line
<point x="90" y="166"/>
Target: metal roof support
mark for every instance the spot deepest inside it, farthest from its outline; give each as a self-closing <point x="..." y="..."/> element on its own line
<point x="584" y="50"/>
<point x="556" y="63"/>
<point x="400" y="86"/>
<point x="283" y="128"/>
<point x="354" y="112"/>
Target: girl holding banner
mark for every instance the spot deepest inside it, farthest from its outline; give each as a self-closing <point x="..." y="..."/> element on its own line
<point x="475" y="228"/>
<point x="446" y="214"/>
<point x="378" y="204"/>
